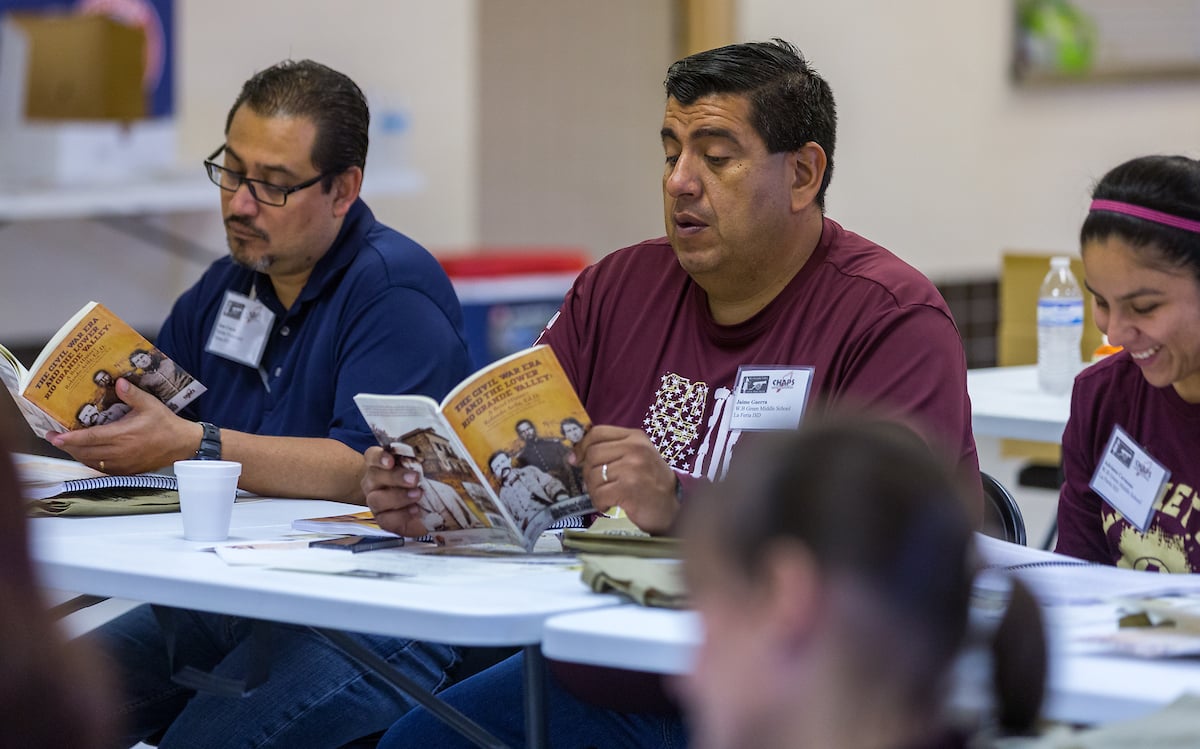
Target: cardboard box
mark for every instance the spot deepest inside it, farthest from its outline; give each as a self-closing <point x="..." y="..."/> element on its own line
<point x="82" y="67"/>
<point x="79" y="135"/>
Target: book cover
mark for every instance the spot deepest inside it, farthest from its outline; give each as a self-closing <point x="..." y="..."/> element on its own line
<point x="72" y="384"/>
<point x="492" y="455"/>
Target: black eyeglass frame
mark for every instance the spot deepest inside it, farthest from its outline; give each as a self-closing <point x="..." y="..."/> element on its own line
<point x="216" y="171"/>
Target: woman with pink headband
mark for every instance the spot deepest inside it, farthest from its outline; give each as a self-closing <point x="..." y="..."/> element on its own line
<point x="1131" y="495"/>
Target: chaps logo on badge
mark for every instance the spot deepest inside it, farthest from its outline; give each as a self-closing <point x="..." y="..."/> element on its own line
<point x="234" y="310"/>
<point x="753" y="384"/>
<point x="779" y="384"/>
<point x="1142" y="469"/>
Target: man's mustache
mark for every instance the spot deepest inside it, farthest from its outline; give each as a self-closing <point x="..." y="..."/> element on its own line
<point x="245" y="223"/>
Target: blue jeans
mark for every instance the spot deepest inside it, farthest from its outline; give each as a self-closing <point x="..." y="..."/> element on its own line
<point x="494" y="699"/>
<point x="315" y="696"/>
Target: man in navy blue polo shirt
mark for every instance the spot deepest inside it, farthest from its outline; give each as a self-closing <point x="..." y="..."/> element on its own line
<point x="303" y="314"/>
<point x="284" y="332"/>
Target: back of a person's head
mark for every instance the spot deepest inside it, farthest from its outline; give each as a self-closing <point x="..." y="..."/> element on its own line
<point x="53" y="693"/>
<point x="334" y="103"/>
<point x="1166" y="184"/>
<point x="791" y="104"/>
<point x="880" y="515"/>
<point x="870" y="502"/>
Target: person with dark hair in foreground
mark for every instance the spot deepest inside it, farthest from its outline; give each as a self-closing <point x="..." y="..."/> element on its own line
<point x="671" y="343"/>
<point x="53" y="692"/>
<point x="832" y="571"/>
<point x="1134" y="414"/>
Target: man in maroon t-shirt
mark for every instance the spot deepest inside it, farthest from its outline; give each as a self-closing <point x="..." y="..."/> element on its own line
<point x="755" y="309"/>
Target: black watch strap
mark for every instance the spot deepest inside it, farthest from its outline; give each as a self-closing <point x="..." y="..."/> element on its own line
<point x="210" y="443"/>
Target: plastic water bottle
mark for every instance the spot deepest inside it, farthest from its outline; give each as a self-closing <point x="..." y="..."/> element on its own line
<point x="1060" y="328"/>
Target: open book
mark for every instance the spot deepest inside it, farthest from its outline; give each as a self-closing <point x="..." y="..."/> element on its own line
<point x="493" y="453"/>
<point x="72" y="384"/>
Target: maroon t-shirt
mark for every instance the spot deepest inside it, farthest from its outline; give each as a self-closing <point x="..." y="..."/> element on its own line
<point x="1111" y="393"/>
<point x="636" y="338"/>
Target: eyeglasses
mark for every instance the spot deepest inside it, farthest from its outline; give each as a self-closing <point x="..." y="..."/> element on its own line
<point x="264" y="192"/>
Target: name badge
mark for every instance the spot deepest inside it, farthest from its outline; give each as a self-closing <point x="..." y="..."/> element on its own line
<point x="241" y="330"/>
<point x="770" y="398"/>
<point x="1129" y="479"/>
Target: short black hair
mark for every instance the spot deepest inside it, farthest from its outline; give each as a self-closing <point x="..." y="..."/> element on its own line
<point x="790" y="103"/>
<point x="335" y="104"/>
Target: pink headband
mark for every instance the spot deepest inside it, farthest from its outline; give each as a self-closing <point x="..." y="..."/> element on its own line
<point x="1148" y="214"/>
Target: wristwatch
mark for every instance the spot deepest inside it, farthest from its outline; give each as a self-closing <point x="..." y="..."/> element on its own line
<point x="210" y="443"/>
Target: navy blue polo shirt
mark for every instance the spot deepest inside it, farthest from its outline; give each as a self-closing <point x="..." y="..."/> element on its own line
<point x="377" y="315"/>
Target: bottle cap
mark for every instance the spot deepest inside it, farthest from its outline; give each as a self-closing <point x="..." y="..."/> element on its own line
<point x="1104" y="349"/>
<point x="1060" y="261"/>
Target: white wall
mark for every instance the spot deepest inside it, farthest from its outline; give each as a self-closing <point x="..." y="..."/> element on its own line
<point x="571" y="102"/>
<point x="939" y="156"/>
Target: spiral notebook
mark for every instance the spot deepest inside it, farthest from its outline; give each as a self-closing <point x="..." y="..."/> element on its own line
<point x="44" y="477"/>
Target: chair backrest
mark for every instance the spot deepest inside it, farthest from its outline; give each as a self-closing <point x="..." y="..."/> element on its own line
<point x="1001" y="516"/>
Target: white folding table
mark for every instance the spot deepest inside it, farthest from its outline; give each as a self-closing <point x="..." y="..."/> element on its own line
<point x="145" y="558"/>
<point x="1006" y="402"/>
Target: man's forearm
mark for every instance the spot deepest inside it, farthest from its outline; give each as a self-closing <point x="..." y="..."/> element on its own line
<point x="302" y="467"/>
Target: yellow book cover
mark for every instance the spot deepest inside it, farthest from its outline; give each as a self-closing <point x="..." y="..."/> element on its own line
<point x="72" y="384"/>
<point x="493" y="454"/>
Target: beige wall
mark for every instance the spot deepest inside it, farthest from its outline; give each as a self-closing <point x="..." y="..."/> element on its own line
<point x="418" y="55"/>
<point x="571" y="102"/>
<point x="940" y="157"/>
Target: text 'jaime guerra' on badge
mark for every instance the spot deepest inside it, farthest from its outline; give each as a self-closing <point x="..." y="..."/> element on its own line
<point x="770" y="397"/>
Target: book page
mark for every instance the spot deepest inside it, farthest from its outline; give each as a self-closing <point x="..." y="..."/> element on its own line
<point x="518" y="419"/>
<point x="74" y="378"/>
<point x="13" y="373"/>
<point x="42" y="470"/>
<point x="458" y="506"/>
<point x="355" y="524"/>
<point x="1059" y="579"/>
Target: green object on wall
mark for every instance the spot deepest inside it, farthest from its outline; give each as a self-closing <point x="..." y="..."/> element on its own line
<point x="1056" y="36"/>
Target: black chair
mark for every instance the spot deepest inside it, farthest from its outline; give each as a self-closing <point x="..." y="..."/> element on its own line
<point x="1044" y="477"/>
<point x="1001" y="516"/>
